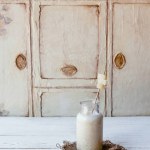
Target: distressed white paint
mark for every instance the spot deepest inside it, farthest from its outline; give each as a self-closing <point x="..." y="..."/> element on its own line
<point x="65" y="103"/>
<point x="128" y="88"/>
<point x="69" y="36"/>
<point x="130" y="93"/>
<point x="124" y="17"/>
<point x="61" y="102"/>
<point x="68" y="32"/>
<point x="43" y="133"/>
<point x="74" y="22"/>
<point x="14" y="83"/>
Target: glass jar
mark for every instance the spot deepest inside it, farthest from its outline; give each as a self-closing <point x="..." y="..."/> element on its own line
<point x="89" y="130"/>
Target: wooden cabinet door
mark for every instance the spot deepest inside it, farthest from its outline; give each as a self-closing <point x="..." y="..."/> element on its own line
<point x="14" y="58"/>
<point x="60" y="102"/>
<point x="131" y="58"/>
<point x="69" y="38"/>
<point x="69" y="50"/>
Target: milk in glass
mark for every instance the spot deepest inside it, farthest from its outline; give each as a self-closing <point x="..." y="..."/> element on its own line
<point x="89" y="127"/>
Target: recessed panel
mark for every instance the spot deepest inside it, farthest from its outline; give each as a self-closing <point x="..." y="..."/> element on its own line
<point x="69" y="41"/>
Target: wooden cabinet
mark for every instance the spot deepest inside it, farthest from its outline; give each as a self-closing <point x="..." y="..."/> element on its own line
<point x="69" y="46"/>
<point x="72" y="41"/>
<point x="129" y="28"/>
<point x="15" y="84"/>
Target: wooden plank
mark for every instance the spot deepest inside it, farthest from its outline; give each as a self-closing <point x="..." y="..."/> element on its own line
<point x="102" y="67"/>
<point x="14" y="1"/>
<point x="44" y="133"/>
<point x="70" y="2"/>
<point x="131" y="1"/>
<point x="109" y="61"/>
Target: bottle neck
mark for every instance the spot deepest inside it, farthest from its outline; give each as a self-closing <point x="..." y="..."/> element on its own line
<point x="89" y="107"/>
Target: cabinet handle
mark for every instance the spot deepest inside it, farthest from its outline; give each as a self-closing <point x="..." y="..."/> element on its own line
<point x="119" y="61"/>
<point x="69" y="70"/>
<point x="21" y="62"/>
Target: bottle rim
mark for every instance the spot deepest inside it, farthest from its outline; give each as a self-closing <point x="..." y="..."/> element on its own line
<point x="92" y="101"/>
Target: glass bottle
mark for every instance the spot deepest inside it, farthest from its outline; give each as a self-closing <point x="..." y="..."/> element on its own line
<point x="89" y="127"/>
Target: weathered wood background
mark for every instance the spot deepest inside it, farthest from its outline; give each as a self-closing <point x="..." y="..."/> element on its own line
<point x="51" y="52"/>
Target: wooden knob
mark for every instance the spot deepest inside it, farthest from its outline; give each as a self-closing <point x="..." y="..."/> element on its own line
<point x="69" y="70"/>
<point x="119" y="61"/>
<point x="21" y="62"/>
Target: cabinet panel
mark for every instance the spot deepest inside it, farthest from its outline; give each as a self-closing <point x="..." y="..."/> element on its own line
<point x="131" y="84"/>
<point x="69" y="36"/>
<point x="63" y="103"/>
<point x="69" y="41"/>
<point x="14" y="81"/>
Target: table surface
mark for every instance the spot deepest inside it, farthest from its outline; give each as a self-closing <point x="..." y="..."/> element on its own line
<point x="43" y="133"/>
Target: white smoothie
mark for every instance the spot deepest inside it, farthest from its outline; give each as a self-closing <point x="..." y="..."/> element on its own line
<point x="89" y="131"/>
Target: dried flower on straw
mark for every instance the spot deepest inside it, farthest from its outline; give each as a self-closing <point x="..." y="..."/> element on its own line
<point x="101" y="83"/>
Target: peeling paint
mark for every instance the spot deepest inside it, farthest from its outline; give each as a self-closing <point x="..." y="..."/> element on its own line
<point x="21" y="62"/>
<point x="69" y="70"/>
<point x="3" y="112"/>
<point x="120" y="61"/>
<point x="3" y="32"/>
<point x="2" y="23"/>
<point x="4" y="20"/>
<point x="7" y="20"/>
<point x="5" y="8"/>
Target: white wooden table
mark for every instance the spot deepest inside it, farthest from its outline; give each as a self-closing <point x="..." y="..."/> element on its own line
<point x="44" y="133"/>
